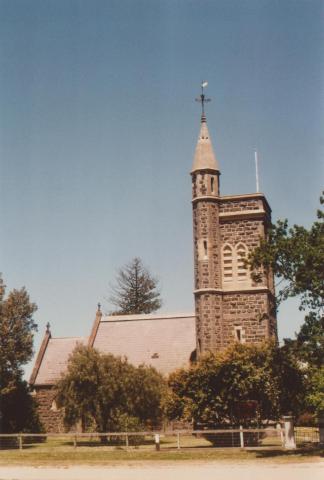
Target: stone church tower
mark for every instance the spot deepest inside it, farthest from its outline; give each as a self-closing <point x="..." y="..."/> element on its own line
<point x="229" y="306"/>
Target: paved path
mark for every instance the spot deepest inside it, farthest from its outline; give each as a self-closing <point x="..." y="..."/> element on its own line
<point x="192" y="471"/>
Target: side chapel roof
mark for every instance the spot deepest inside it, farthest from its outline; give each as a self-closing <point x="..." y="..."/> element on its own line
<point x="54" y="360"/>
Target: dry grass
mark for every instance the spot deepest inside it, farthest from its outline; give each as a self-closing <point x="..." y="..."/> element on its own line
<point x="58" y="451"/>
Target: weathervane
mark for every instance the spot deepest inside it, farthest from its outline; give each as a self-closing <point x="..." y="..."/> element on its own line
<point x="202" y="98"/>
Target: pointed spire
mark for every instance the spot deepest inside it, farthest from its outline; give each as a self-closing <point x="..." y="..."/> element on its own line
<point x="204" y="158"/>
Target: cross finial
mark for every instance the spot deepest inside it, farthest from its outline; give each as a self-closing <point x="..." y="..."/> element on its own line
<point x="202" y="98"/>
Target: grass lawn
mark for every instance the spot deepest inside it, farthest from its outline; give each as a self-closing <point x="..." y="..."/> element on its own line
<point x="67" y="455"/>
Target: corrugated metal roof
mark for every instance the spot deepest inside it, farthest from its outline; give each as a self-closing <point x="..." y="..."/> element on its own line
<point x="55" y="359"/>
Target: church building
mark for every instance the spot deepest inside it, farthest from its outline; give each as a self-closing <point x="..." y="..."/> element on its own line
<point x="229" y="306"/>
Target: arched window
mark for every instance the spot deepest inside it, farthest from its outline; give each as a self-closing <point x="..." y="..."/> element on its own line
<point x="234" y="272"/>
<point x="205" y="250"/>
<point x="54" y="406"/>
<point x="227" y="263"/>
<point x="239" y="334"/>
<point x="202" y="249"/>
<point x="241" y="255"/>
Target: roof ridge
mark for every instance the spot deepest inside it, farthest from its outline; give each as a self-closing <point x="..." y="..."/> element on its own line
<point x="144" y="316"/>
<point x="67" y="338"/>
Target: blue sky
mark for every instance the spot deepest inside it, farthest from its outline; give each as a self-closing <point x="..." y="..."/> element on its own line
<point x="98" y="126"/>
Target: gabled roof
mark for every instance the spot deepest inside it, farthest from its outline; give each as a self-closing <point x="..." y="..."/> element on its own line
<point x="54" y="359"/>
<point x="164" y="341"/>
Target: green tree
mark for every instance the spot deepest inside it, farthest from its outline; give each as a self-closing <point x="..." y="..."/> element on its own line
<point x="296" y="257"/>
<point x="315" y="391"/>
<point x="16" y="349"/>
<point x="146" y="392"/>
<point x="220" y="389"/>
<point x="18" y="409"/>
<point x="103" y="391"/>
<point x="308" y="350"/>
<point x="136" y="291"/>
<point x="308" y="346"/>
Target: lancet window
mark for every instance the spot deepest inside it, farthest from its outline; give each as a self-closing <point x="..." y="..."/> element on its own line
<point x="227" y="263"/>
<point x="241" y="255"/>
<point x="233" y="266"/>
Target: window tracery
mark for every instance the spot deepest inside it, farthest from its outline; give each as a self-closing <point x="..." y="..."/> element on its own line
<point x="233" y="265"/>
<point x="227" y="263"/>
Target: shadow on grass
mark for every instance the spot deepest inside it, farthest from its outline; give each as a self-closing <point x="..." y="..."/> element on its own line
<point x="304" y="452"/>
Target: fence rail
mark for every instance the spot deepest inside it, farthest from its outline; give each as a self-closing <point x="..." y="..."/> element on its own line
<point x="306" y="435"/>
<point x="161" y="440"/>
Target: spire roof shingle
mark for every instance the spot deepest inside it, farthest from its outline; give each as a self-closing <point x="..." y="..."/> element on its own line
<point x="204" y="158"/>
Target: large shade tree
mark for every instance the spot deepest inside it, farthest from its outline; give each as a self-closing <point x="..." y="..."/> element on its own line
<point x="17" y="328"/>
<point x="241" y="385"/>
<point x="296" y="256"/>
<point x="106" y="393"/>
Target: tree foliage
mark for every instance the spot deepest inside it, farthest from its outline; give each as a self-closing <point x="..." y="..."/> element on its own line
<point x="104" y="392"/>
<point x="16" y="349"/>
<point x="308" y="349"/>
<point x="315" y="391"/>
<point x="308" y="346"/>
<point x="18" y="410"/>
<point x="296" y="257"/>
<point x="219" y="388"/>
<point x="135" y="291"/>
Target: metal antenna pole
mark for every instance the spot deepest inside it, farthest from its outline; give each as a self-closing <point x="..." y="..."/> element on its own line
<point x="256" y="170"/>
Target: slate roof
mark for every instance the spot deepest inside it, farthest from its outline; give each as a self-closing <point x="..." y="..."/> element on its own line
<point x="204" y="157"/>
<point x="55" y="358"/>
<point x="163" y="341"/>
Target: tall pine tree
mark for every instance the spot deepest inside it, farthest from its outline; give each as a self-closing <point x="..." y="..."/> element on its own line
<point x="136" y="290"/>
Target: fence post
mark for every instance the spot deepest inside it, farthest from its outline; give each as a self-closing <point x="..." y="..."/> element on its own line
<point x="241" y="437"/>
<point x="20" y="441"/>
<point x="280" y="433"/>
<point x="126" y="440"/>
<point x="75" y="441"/>
<point x="290" y="442"/>
<point x="282" y="437"/>
<point x="321" y="427"/>
<point x="157" y="441"/>
<point x="178" y="440"/>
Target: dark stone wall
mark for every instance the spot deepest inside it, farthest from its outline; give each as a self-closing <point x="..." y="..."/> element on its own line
<point x="50" y="416"/>
<point x="221" y="309"/>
